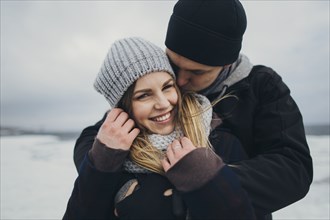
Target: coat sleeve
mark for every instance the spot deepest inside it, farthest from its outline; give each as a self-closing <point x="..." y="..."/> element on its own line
<point x="220" y="198"/>
<point x="85" y="142"/>
<point x="92" y="193"/>
<point x="209" y="188"/>
<point x="279" y="171"/>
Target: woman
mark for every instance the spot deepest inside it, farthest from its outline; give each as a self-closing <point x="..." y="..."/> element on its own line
<point x="152" y="158"/>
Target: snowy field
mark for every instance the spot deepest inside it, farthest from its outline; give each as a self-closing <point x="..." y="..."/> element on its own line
<point x="37" y="176"/>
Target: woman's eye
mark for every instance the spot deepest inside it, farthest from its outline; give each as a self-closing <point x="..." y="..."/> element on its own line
<point x="142" y="96"/>
<point x="168" y="86"/>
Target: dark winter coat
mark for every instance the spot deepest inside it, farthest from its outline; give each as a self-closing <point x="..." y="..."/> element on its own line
<point x="219" y="197"/>
<point x="269" y="126"/>
<point x="267" y="121"/>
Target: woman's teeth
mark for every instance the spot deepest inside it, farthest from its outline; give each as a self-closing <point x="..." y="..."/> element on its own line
<point x="163" y="118"/>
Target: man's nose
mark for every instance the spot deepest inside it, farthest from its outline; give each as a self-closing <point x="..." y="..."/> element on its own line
<point x="182" y="78"/>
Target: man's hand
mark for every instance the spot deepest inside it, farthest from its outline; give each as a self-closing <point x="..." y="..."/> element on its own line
<point x="117" y="131"/>
<point x="176" y="151"/>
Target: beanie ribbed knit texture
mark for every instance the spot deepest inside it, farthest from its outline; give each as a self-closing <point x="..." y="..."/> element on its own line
<point x="127" y="60"/>
<point x="209" y="32"/>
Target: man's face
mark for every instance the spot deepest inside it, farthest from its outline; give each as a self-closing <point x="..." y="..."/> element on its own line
<point x="192" y="75"/>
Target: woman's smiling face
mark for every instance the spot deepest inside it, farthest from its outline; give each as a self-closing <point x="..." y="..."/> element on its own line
<point x="154" y="102"/>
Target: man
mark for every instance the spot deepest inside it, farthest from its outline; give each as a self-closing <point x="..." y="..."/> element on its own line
<point x="203" y="43"/>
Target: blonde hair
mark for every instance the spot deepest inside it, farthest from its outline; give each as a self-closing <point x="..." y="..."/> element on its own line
<point x="189" y="119"/>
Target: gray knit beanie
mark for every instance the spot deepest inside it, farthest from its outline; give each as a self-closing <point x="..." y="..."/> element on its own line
<point x="129" y="59"/>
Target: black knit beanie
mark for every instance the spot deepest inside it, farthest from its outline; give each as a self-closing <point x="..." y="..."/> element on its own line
<point x="209" y="32"/>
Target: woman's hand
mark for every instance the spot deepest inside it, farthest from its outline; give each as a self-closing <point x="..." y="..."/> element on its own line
<point x="176" y="151"/>
<point x="117" y="131"/>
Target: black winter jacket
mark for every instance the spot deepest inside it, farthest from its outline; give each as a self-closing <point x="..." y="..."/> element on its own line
<point x="220" y="197"/>
<point x="267" y="121"/>
<point x="269" y="125"/>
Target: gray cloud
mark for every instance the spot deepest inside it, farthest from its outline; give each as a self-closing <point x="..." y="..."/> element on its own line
<point x="51" y="52"/>
<point x="293" y="38"/>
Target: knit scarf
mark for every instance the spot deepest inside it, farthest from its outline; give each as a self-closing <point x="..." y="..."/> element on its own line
<point x="161" y="142"/>
<point x="230" y="75"/>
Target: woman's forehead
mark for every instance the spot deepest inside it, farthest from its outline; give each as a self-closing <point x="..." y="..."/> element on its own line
<point x="153" y="78"/>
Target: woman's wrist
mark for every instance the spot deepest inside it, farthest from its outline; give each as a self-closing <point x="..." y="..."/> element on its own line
<point x="106" y="159"/>
<point x="195" y="169"/>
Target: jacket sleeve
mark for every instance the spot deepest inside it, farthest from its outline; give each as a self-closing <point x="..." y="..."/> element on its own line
<point x="85" y="142"/>
<point x="209" y="188"/>
<point x="92" y="193"/>
<point x="280" y="170"/>
<point x="220" y="198"/>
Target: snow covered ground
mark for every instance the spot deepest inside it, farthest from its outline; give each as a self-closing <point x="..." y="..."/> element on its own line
<point x="37" y="176"/>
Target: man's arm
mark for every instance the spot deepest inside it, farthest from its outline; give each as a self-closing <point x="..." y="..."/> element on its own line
<point x="85" y="142"/>
<point x="90" y="198"/>
<point x="270" y="124"/>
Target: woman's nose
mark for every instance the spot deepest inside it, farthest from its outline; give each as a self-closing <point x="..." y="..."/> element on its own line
<point x="162" y="102"/>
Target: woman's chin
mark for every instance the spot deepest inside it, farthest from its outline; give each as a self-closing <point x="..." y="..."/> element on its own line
<point x="163" y="131"/>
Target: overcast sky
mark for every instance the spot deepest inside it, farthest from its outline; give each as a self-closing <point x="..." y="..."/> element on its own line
<point x="51" y="52"/>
